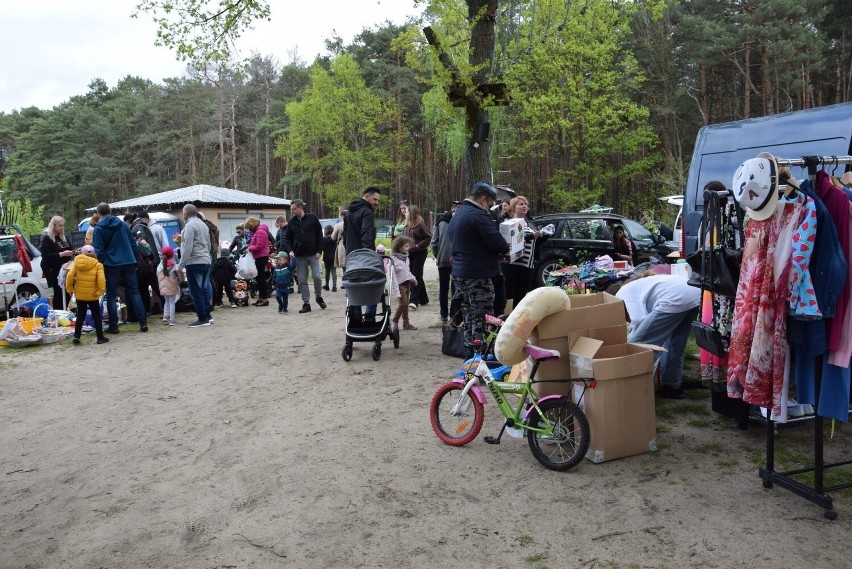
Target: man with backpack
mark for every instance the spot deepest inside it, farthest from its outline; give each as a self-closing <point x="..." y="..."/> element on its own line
<point x="116" y="249"/>
<point x="147" y="258"/>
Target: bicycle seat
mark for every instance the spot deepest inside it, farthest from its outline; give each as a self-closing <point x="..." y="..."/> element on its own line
<point x="541" y="354"/>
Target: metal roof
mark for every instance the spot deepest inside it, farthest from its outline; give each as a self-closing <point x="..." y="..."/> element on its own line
<point x="201" y="194"/>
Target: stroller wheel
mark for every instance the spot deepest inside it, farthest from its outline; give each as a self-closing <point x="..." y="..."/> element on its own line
<point x="347" y="352"/>
<point x="395" y="338"/>
<point x="377" y="351"/>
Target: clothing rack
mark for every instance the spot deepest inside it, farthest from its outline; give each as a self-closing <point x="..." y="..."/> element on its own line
<point x="818" y="494"/>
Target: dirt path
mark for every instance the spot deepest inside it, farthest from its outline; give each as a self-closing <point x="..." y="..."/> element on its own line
<point x="253" y="444"/>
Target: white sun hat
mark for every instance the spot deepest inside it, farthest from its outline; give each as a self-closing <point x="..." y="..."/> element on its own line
<point x="755" y="186"/>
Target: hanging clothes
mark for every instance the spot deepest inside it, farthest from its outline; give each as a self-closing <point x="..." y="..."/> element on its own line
<point x="758" y="351"/>
<point x="808" y="338"/>
<point x="838" y="208"/>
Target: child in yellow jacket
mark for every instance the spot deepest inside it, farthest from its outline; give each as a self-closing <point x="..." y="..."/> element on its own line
<point x="86" y="281"/>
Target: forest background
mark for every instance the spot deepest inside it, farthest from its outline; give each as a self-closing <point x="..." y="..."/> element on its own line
<point x="577" y="103"/>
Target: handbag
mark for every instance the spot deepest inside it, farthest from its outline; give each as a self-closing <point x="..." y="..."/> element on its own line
<point x="715" y="268"/>
<point x="709" y="338"/>
<point x="246" y="267"/>
<point x="452" y="340"/>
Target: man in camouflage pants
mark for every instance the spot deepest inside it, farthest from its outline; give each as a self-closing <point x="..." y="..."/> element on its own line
<point x="476" y="247"/>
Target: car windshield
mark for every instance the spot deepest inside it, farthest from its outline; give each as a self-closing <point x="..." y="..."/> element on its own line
<point x="637" y="231"/>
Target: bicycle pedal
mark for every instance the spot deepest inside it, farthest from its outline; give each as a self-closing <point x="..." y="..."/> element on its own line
<point x="492" y="440"/>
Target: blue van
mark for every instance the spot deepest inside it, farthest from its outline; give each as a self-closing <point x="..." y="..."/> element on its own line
<point x="721" y="148"/>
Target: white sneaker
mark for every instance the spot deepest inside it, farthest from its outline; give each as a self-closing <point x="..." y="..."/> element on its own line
<point x="807" y="409"/>
<point x="412" y="306"/>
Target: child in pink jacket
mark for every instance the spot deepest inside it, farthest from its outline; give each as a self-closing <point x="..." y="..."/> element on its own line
<point x="404" y="281"/>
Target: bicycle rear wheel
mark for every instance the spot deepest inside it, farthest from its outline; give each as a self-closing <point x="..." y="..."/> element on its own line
<point x="567" y="445"/>
<point x="457" y="428"/>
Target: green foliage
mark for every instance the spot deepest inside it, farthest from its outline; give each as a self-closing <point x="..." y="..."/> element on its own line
<point x="30" y="219"/>
<point x="198" y="32"/>
<point x="572" y="91"/>
<point x="339" y="133"/>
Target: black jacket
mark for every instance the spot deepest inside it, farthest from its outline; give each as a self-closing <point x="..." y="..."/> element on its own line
<point x="359" y="227"/>
<point x="51" y="262"/>
<point x="304" y="236"/>
<point x="140" y="230"/>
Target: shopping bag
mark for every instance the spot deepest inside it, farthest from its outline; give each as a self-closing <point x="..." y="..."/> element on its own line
<point x="246" y="268"/>
<point x="452" y="341"/>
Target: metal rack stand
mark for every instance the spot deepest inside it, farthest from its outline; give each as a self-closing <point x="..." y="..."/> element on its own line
<point x="818" y="494"/>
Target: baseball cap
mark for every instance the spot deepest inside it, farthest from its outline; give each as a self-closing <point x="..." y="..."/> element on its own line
<point x="87" y="249"/>
<point x="484" y="189"/>
<point x="168" y="251"/>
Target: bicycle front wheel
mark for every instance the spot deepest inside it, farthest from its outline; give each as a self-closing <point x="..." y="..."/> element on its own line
<point x="566" y="446"/>
<point x="456" y="419"/>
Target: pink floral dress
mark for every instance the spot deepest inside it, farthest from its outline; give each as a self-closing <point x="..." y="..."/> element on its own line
<point x="758" y="349"/>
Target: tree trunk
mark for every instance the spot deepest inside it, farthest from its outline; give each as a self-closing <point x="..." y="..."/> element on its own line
<point x="481" y="13"/>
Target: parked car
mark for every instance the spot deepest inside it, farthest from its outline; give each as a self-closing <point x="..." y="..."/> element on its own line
<point x="579" y="237"/>
<point x="12" y="282"/>
<point x="384" y="231"/>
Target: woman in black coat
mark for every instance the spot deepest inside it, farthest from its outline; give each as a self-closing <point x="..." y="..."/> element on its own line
<point x="55" y="251"/>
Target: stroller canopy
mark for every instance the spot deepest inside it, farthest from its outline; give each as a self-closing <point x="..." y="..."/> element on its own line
<point x="364" y="277"/>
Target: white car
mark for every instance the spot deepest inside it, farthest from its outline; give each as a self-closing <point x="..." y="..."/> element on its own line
<point x="12" y="283"/>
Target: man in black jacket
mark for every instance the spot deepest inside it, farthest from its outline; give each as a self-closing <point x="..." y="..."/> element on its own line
<point x="359" y="229"/>
<point x="304" y="243"/>
<point x="146" y="266"/>
<point x="359" y="232"/>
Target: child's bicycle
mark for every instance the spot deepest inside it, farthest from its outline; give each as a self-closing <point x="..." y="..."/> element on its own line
<point x="557" y="429"/>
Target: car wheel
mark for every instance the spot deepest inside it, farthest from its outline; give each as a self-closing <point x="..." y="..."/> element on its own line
<point x="542" y="272"/>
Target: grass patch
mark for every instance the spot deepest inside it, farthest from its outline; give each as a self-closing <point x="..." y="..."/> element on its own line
<point x="727" y="463"/>
<point x="691" y="409"/>
<point x="700" y="422"/>
<point x="665" y="412"/>
<point x="525" y="539"/>
<point x="710" y="448"/>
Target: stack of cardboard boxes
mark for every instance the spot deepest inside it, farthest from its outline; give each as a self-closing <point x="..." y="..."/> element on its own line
<point x="591" y="337"/>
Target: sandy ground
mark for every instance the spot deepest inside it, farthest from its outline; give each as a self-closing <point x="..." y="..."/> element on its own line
<point x="253" y="444"/>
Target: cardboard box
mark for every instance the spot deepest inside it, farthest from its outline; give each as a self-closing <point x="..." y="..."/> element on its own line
<point x="585" y="311"/>
<point x="556" y="369"/>
<point x="620" y="407"/>
<point x="513" y="232"/>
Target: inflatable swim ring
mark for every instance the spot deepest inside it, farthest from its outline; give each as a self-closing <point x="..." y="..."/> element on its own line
<point x="535" y="306"/>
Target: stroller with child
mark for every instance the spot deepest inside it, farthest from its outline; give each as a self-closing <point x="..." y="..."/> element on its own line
<point x="368" y="280"/>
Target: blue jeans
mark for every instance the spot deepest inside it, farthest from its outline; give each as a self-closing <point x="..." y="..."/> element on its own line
<point x="671" y="331"/>
<point x="198" y="279"/>
<point x="282" y="295"/>
<point x="123" y="275"/>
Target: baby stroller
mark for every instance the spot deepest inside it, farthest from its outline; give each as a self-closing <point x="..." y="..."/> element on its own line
<point x="368" y="280"/>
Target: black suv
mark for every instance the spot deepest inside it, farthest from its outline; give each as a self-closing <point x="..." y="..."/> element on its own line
<point x="580" y="237"/>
